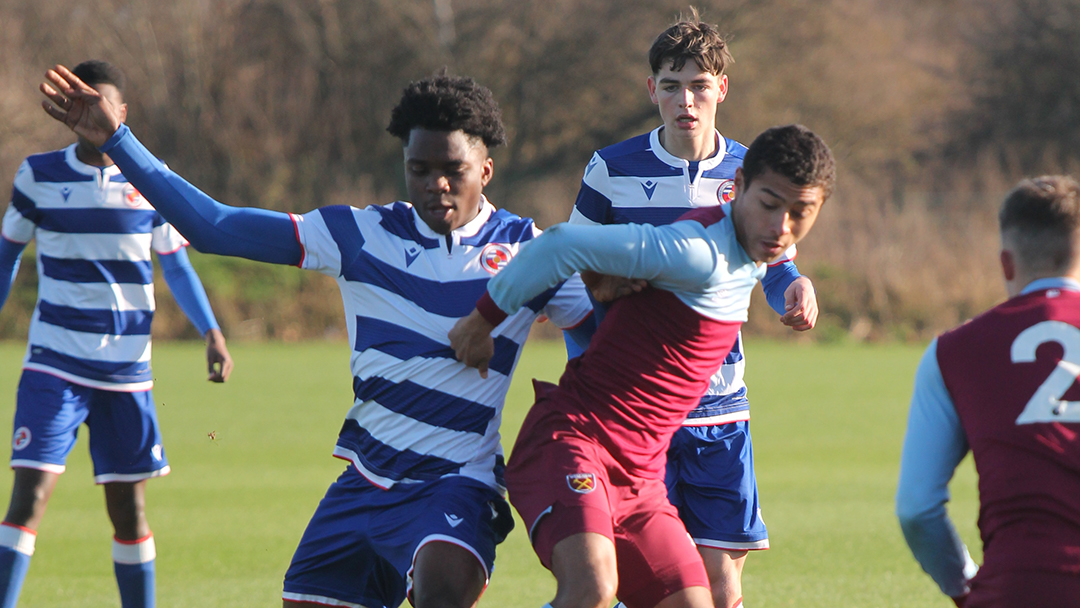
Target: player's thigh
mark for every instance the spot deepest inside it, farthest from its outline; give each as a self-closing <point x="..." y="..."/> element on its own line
<point x="559" y="483"/>
<point x="458" y="523"/>
<point x="48" y="413"/>
<point x="656" y="557"/>
<point x="360" y="544"/>
<point x="125" y="437"/>
<point x="716" y="487"/>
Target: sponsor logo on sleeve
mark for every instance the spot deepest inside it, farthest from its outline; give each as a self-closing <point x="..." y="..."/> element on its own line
<point x="726" y="192"/>
<point x="582" y="483"/>
<point x="156" y="451"/>
<point x="21" y="439"/>
<point x="494" y="257"/>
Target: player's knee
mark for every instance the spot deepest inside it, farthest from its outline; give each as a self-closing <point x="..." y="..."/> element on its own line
<point x="587" y="591"/>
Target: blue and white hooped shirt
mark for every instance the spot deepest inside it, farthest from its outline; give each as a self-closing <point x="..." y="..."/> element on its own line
<point x="94" y="236"/>
<point x="419" y="414"/>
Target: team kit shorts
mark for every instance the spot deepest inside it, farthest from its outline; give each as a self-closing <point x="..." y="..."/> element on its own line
<point x="564" y="483"/>
<point x="125" y="439"/>
<point x="710" y="480"/>
<point x="359" y="547"/>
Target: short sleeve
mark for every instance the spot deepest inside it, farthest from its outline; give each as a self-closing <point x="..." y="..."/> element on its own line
<point x="18" y="223"/>
<point x="166" y="239"/>
<point x="320" y="251"/>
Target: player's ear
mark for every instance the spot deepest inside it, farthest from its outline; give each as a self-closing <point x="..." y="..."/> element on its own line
<point x="722" y="82"/>
<point x="1008" y="264"/>
<point x="123" y="112"/>
<point x="650" y="82"/>
<point x="740" y="181"/>
<point x="487" y="171"/>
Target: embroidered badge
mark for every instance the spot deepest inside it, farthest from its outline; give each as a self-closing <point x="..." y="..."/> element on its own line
<point x="21" y="438"/>
<point x="582" y="483"/>
<point x="494" y="257"/>
<point x="726" y="192"/>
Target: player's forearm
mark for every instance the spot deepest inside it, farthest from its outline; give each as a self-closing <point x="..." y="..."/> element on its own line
<point x="211" y="227"/>
<point x="938" y="549"/>
<point x="663" y="255"/>
<point x="188" y="290"/>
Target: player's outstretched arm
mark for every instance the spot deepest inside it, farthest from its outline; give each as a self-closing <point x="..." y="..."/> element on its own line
<point x="800" y="302"/>
<point x="211" y="227"/>
<point x="190" y="295"/>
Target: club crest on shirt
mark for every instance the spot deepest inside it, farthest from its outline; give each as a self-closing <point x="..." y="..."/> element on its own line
<point x="582" y="483"/>
<point x="132" y="196"/>
<point x="21" y="439"/>
<point x="494" y="257"/>
<point x="726" y="192"/>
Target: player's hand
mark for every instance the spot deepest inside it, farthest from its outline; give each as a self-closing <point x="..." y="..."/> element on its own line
<point x="800" y="302"/>
<point x="607" y="288"/>
<point x="77" y="105"/>
<point x="472" y="342"/>
<point x="218" y="361"/>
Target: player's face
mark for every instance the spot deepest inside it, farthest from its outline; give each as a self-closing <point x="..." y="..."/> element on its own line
<point x="114" y="96"/>
<point x="772" y="213"/>
<point x="445" y="175"/>
<point x="687" y="99"/>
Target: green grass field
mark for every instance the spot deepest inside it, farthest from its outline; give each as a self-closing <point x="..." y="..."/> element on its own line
<point x="828" y="426"/>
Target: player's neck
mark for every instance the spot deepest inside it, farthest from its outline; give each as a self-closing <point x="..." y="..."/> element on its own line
<point x="690" y="147"/>
<point x="88" y="154"/>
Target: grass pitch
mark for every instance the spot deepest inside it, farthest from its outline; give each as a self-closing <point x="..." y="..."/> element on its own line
<point x="251" y="459"/>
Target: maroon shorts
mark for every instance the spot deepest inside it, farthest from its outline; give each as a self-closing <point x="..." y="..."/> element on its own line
<point x="1020" y="589"/>
<point x="563" y="483"/>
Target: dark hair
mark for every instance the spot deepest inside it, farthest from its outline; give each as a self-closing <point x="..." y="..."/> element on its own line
<point x="794" y="152"/>
<point x="448" y="103"/>
<point x="690" y="38"/>
<point x="95" y="72"/>
<point x="1042" y="219"/>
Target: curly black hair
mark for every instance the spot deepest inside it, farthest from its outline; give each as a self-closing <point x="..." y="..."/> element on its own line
<point x="448" y="103"/>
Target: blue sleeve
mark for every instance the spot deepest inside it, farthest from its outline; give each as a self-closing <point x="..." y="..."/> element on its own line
<point x="577" y="338"/>
<point x="776" y="281"/>
<point x="211" y="227"/>
<point x="933" y="447"/>
<point x="10" y="252"/>
<point x="188" y="290"/>
<point x="582" y="336"/>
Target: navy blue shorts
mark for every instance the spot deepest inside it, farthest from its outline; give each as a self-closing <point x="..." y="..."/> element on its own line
<point x="125" y="439"/>
<point x="359" y="547"/>
<point x="710" y="480"/>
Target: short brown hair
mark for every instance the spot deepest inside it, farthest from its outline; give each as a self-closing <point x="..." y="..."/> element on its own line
<point x="690" y="38"/>
<point x="1041" y="218"/>
<point x="794" y="152"/>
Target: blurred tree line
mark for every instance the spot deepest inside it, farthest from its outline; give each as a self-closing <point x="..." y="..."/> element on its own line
<point x="934" y="109"/>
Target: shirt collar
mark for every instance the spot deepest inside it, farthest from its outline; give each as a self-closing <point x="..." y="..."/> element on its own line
<point x="1051" y="283"/>
<point x="80" y="167"/>
<point x="675" y="161"/>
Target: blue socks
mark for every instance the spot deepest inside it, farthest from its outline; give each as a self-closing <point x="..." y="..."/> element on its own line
<point x="133" y="562"/>
<point x="16" y="547"/>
